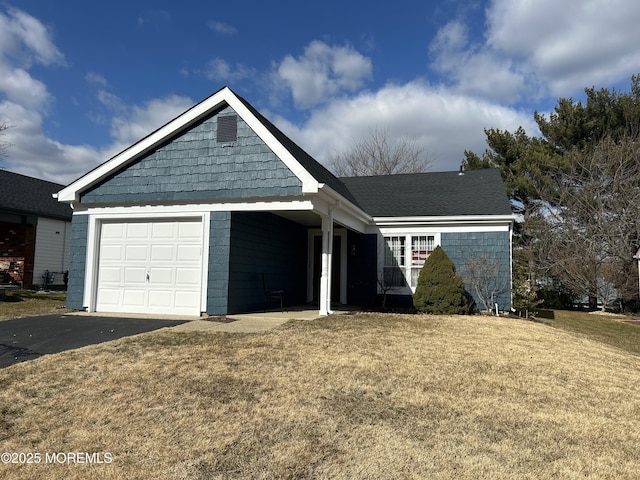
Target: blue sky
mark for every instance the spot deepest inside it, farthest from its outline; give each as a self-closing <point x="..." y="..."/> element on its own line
<point x="80" y="81"/>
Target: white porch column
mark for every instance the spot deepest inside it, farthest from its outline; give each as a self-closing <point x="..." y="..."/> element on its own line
<point x="325" y="275"/>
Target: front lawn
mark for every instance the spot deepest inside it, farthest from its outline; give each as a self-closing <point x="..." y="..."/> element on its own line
<point x="24" y="303"/>
<point x="614" y="330"/>
<point x="362" y="396"/>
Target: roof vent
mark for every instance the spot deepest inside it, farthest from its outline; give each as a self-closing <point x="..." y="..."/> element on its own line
<point x="227" y="129"/>
<point x="461" y="172"/>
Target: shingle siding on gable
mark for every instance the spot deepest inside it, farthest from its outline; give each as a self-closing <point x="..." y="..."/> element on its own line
<point x="194" y="166"/>
<point x="460" y="247"/>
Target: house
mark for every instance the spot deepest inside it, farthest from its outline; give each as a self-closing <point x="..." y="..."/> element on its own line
<point x="35" y="232"/>
<point x="218" y="207"/>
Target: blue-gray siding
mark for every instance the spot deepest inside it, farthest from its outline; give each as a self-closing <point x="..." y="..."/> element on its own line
<point x="219" y="248"/>
<point x="194" y="166"/>
<point x="463" y="248"/>
<point x="263" y="244"/>
<point x="77" y="261"/>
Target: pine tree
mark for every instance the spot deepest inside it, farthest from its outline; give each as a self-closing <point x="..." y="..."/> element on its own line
<point x="440" y="289"/>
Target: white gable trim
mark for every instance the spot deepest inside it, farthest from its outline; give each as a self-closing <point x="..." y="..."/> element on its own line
<point x="71" y="193"/>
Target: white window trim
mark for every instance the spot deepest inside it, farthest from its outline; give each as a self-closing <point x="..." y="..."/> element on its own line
<point x="407" y="233"/>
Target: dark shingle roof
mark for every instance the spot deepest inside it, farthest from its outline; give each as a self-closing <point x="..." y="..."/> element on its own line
<point x="31" y="196"/>
<point x="477" y="192"/>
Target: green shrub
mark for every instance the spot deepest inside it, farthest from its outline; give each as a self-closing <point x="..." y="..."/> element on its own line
<point x="440" y="289"/>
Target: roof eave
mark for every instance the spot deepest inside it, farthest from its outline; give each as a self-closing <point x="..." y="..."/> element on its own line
<point x="443" y="220"/>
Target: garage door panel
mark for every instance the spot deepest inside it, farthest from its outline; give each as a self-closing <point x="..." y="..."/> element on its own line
<point x="136" y="253"/>
<point x="138" y="230"/>
<point x="161" y="298"/>
<point x="134" y="298"/>
<point x="161" y="276"/>
<point x="111" y="274"/>
<point x="186" y="300"/>
<point x="135" y="275"/>
<point x="112" y="253"/>
<point x="113" y="230"/>
<point x="150" y="267"/>
<point x="189" y="230"/>
<point x="188" y="253"/>
<point x="162" y="253"/>
<point x="187" y="276"/>
<point x="111" y="297"/>
<point x="163" y="230"/>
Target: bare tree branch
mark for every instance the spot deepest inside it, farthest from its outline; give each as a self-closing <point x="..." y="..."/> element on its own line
<point x="376" y="154"/>
<point x="4" y="146"/>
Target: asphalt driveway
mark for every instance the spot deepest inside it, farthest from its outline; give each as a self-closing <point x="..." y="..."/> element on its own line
<point x="28" y="338"/>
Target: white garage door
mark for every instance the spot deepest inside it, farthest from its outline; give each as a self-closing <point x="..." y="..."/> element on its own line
<point x="150" y="267"/>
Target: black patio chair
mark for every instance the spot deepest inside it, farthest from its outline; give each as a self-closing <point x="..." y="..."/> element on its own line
<point x="271" y="294"/>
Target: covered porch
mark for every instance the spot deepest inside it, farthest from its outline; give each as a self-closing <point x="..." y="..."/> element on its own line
<point x="309" y="257"/>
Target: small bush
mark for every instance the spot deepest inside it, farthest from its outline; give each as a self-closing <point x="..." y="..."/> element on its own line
<point x="440" y="289"/>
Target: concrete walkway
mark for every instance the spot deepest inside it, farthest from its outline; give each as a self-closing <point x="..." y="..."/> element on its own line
<point x="240" y="323"/>
<point x="246" y="323"/>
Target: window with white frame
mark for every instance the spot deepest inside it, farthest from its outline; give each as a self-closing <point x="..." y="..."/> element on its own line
<point x="421" y="248"/>
<point x="404" y="256"/>
<point x="395" y="261"/>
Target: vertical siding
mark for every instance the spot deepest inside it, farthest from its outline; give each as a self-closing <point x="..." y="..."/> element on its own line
<point x="52" y="249"/>
<point x="77" y="261"/>
<point x="461" y="247"/>
<point x="263" y="243"/>
<point x="219" y="243"/>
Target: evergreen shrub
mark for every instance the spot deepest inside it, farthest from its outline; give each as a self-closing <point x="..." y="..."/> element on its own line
<point x="440" y="288"/>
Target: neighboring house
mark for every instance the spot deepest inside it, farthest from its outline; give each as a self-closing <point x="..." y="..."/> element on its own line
<point x="218" y="207"/>
<point x="35" y="232"/>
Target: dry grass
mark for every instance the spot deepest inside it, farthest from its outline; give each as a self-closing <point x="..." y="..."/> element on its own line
<point x="610" y="329"/>
<point x="366" y="396"/>
<point x="23" y="303"/>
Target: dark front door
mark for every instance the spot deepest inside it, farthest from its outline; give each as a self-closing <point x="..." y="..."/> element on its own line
<point x="335" y="268"/>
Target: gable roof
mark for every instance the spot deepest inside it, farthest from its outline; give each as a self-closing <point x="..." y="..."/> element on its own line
<point x="24" y="195"/>
<point x="316" y="169"/>
<point x="312" y="175"/>
<point x="437" y="194"/>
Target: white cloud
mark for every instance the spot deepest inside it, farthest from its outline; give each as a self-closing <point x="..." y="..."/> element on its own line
<point x="444" y="123"/>
<point x="323" y="71"/>
<point x="218" y="70"/>
<point x="26" y="40"/>
<point x="17" y="85"/>
<point x="472" y="69"/>
<point x="140" y="121"/>
<point x="32" y="153"/>
<point x="23" y="42"/>
<point x="570" y="44"/>
<point x="543" y="48"/>
<point x="96" y="79"/>
<point x="222" y="28"/>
